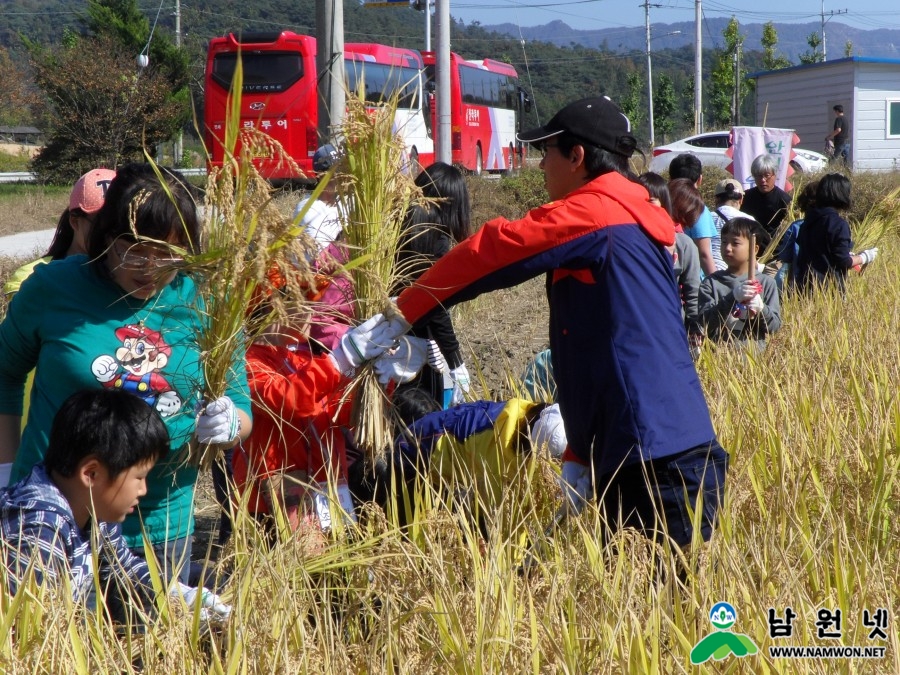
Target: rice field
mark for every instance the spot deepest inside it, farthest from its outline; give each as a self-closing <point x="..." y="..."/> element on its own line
<point x="810" y="523"/>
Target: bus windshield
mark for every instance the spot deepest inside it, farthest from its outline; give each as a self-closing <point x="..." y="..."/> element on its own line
<point x="263" y="72"/>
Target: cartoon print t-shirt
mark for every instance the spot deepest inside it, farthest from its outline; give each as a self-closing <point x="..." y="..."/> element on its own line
<point x="79" y="332"/>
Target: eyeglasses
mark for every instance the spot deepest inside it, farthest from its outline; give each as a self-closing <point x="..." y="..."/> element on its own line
<point x="547" y="146"/>
<point x="147" y="256"/>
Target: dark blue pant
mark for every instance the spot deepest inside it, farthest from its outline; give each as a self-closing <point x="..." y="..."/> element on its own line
<point x="658" y="497"/>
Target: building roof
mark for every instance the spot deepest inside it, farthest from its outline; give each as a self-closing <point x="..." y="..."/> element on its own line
<point x="825" y="64"/>
<point x="19" y="130"/>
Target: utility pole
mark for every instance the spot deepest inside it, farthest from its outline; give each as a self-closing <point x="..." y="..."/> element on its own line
<point x="179" y="140"/>
<point x="698" y="69"/>
<point x="736" y="116"/>
<point x="831" y="14"/>
<point x="649" y="73"/>
<point x="330" y="66"/>
<point x="428" y="25"/>
<point x="444" y="151"/>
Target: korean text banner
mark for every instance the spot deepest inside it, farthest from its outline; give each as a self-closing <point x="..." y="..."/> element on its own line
<point x="750" y="142"/>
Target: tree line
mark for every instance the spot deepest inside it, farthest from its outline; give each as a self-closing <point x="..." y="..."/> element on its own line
<point x="84" y="89"/>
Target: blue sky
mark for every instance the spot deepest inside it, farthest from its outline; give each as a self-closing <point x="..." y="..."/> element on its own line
<point x="601" y="14"/>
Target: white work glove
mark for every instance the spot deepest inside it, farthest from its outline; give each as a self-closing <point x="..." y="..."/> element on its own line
<point x="460" y="376"/>
<point x="747" y="290"/>
<point x="576" y="485"/>
<point x="368" y="341"/>
<point x="168" y="403"/>
<point x="218" y="423"/>
<point x="436" y="357"/>
<point x="548" y="430"/>
<point x="212" y="609"/>
<point x="105" y="368"/>
<point x="868" y="255"/>
<point x="756" y="305"/>
<point x="403" y="363"/>
<point x="5" y="474"/>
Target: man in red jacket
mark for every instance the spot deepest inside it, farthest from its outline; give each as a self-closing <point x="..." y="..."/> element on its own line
<point x="640" y="436"/>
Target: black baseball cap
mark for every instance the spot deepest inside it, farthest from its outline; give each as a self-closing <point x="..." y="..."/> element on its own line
<point x="596" y="121"/>
<point x="324" y="158"/>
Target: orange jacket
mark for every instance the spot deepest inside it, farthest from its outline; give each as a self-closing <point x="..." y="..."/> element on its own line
<point x="297" y="415"/>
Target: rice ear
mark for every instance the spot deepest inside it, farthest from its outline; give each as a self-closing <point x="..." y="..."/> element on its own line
<point x="376" y="187"/>
<point x="251" y="251"/>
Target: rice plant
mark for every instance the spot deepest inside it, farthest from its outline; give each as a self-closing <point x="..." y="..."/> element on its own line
<point x="811" y="522"/>
<point x="376" y="189"/>
<point x="252" y="251"/>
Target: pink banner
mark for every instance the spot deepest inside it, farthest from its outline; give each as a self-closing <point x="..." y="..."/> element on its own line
<point x="747" y="143"/>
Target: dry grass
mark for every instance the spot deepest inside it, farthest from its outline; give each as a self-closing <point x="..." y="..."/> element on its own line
<point x="811" y="521"/>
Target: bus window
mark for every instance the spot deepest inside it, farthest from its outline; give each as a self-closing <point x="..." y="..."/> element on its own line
<point x="268" y="71"/>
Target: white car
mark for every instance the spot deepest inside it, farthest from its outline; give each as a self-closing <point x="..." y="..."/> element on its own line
<point x="710" y="150"/>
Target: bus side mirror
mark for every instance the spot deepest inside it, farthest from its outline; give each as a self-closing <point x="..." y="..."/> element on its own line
<point x="430" y="86"/>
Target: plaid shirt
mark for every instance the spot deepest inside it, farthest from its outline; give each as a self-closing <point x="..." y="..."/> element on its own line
<point x="37" y="523"/>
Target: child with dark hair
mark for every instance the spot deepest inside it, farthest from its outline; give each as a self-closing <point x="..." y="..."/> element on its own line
<point x="788" y="248"/>
<point x="734" y="307"/>
<point x="74" y="226"/>
<point x="700" y="228"/>
<point x="68" y="509"/>
<point x="685" y="257"/>
<point x="429" y="232"/>
<point x="102" y="445"/>
<point x="824" y="243"/>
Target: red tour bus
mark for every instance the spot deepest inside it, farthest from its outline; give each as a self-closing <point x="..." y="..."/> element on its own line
<point x="386" y="71"/>
<point x="486" y="109"/>
<point x="280" y="96"/>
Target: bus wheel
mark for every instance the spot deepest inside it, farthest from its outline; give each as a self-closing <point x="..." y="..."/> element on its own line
<point x="479" y="161"/>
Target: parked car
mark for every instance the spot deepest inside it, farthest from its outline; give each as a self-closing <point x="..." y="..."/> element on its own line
<point x="710" y="148"/>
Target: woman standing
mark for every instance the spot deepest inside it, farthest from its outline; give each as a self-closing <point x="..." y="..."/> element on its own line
<point x="123" y="317"/>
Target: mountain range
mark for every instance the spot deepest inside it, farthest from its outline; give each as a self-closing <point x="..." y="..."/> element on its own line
<point x="880" y="43"/>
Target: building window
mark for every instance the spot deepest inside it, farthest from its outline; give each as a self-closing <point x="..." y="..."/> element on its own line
<point x="893" y="119"/>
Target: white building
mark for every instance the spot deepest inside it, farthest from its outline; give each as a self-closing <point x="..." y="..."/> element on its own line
<point x="802" y="98"/>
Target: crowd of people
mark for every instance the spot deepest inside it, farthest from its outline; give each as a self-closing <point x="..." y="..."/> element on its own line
<point x="99" y="342"/>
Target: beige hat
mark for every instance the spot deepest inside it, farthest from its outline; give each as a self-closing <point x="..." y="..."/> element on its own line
<point x="729" y="186"/>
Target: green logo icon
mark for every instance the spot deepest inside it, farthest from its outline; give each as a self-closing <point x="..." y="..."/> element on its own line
<point x="722" y="642"/>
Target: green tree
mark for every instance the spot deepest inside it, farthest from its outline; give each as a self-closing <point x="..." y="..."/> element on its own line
<point x="665" y="107"/>
<point x="687" y="102"/>
<point x="771" y="59"/>
<point x="814" y="40"/>
<point x="632" y="103"/>
<point x="102" y="110"/>
<point x="727" y="77"/>
<point x="848" y="48"/>
<point x="19" y="98"/>
<point x="123" y="23"/>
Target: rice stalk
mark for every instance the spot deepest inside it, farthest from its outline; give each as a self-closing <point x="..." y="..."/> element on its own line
<point x="880" y="221"/>
<point x="252" y="252"/>
<point x="376" y="189"/>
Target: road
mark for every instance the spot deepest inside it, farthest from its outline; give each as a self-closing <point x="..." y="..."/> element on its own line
<point x="26" y="244"/>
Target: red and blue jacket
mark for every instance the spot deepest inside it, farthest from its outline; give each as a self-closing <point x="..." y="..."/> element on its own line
<point x="628" y="389"/>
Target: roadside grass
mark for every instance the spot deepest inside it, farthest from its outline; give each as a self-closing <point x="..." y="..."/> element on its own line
<point x="810" y="522"/>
